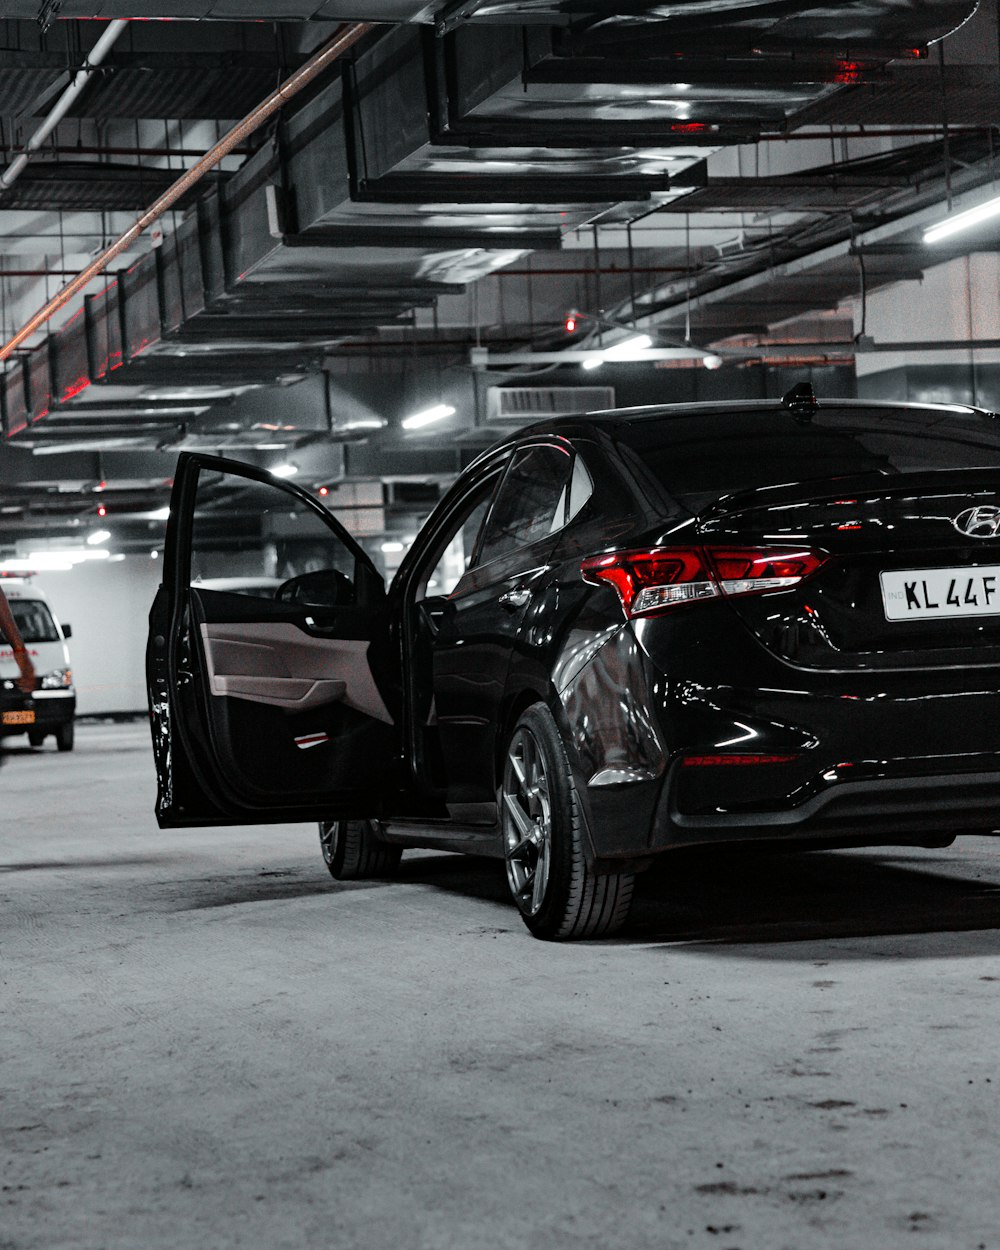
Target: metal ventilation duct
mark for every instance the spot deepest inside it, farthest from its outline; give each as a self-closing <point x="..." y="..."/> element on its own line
<point x="430" y="160"/>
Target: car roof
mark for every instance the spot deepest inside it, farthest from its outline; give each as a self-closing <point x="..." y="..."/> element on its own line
<point x="614" y="418"/>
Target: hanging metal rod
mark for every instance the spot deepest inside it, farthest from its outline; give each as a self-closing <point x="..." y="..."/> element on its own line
<point x="347" y="35"/>
<point x="62" y="106"/>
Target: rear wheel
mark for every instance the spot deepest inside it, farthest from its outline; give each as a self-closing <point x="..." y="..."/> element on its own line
<point x="64" y="736"/>
<point x="558" y="894"/>
<point x="352" y="852"/>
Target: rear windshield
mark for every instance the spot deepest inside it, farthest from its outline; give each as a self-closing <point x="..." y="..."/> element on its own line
<point x="34" y="620"/>
<point x="698" y="458"/>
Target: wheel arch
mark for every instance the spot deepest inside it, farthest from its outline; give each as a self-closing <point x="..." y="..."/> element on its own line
<point x="516" y="703"/>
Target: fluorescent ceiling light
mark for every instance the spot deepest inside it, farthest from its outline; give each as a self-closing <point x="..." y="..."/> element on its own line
<point x="963" y="221"/>
<point x="624" y="350"/>
<point x="391" y="546"/>
<point x="593" y="362"/>
<point x="285" y="470"/>
<point x="711" y="361"/>
<point x="271" y="446"/>
<point x="70" y="556"/>
<point x="363" y="423"/>
<point x="24" y="564"/>
<point x="428" y="416"/>
<point x="98" y="536"/>
<point x="161" y="514"/>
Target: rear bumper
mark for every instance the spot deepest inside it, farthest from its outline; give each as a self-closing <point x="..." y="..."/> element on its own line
<point x="890" y="809"/>
<point x="890" y="757"/>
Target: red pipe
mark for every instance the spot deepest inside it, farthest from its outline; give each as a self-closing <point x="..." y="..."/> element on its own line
<point x="347" y="35"/>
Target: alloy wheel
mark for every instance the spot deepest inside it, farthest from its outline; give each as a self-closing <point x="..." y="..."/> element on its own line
<point x="527" y="822"/>
<point x="329" y="832"/>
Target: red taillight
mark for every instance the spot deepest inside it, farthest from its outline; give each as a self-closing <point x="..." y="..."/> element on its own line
<point x="646" y="580"/>
<point x="748" y="571"/>
<point x="660" y="577"/>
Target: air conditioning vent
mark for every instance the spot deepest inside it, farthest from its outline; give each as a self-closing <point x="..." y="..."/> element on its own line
<point x="533" y="403"/>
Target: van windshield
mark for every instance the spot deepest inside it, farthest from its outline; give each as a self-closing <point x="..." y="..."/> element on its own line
<point x="34" y="620"/>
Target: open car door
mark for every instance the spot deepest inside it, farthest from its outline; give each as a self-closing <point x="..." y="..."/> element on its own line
<point x="272" y="682"/>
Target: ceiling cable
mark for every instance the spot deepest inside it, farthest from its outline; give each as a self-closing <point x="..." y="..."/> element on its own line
<point x="347" y="35"/>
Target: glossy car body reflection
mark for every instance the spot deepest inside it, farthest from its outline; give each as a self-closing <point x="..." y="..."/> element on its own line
<point x="701" y="598"/>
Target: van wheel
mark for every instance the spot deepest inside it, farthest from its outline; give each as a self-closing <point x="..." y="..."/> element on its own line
<point x="558" y="894"/>
<point x="64" y="736"/>
<point x="35" y="737"/>
<point x="352" y="852"/>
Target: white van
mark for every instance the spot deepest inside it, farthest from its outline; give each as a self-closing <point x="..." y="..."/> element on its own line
<point x="52" y="707"/>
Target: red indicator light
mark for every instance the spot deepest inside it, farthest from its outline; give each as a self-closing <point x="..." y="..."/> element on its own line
<point x="102" y="511"/>
<point x="570" y="323"/>
<point x="101" y="486"/>
<point x="852" y="525"/>
<point x="735" y="761"/>
<point x="849" y="72"/>
<point x="324" y="491"/>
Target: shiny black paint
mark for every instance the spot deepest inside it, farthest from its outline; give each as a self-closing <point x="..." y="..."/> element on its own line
<point x="476" y="639"/>
<point x="892" y="727"/>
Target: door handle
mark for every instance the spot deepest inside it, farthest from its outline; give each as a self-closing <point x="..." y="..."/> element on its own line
<point x="514" y="599"/>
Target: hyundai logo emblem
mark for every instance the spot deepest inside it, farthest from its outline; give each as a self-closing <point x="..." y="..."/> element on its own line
<point x="981" y="522"/>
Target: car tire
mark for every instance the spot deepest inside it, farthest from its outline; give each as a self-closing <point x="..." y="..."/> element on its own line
<point x="557" y="892"/>
<point x="64" y="736"/>
<point x="352" y="852"/>
<point x="35" y="738"/>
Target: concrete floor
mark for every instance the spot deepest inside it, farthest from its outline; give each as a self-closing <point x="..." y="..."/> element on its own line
<point x="208" y="1043"/>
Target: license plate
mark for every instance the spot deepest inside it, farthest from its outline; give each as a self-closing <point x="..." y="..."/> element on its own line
<point x="19" y="718"/>
<point x="929" y="594"/>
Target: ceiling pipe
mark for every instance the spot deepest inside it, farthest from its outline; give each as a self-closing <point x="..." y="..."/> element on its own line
<point x="347" y="35"/>
<point x="62" y="106"/>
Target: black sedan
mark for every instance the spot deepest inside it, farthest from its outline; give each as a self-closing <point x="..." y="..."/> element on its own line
<point x="617" y="634"/>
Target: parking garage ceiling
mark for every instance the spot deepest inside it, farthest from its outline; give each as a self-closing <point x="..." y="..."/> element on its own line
<point x="460" y="178"/>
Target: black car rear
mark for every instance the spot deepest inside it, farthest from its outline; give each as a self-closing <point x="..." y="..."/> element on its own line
<point x="821" y="595"/>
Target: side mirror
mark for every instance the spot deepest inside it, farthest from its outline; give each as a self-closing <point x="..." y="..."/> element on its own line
<point x="67" y="631"/>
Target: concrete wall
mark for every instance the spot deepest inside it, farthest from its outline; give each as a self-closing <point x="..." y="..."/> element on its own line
<point x="107" y="604"/>
<point x="955" y="302"/>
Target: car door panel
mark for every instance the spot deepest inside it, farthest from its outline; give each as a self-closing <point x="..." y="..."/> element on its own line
<point x="269" y="709"/>
<point x="472" y="655"/>
<point x="274" y="662"/>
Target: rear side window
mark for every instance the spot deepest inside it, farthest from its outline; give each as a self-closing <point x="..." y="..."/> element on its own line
<point x="530" y="503"/>
<point x="34" y="621"/>
<point x="698" y="458"/>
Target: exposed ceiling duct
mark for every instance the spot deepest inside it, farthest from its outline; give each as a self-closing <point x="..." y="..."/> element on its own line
<point x="440" y="153"/>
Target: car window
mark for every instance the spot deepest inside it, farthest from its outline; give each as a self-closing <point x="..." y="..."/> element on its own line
<point x="456" y="548"/>
<point x="256" y="539"/>
<point x="699" y="458"/>
<point x="581" y="487"/>
<point x="530" y="503"/>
